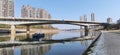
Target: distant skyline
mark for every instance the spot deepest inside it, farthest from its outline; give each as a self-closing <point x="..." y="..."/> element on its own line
<point x="73" y="9"/>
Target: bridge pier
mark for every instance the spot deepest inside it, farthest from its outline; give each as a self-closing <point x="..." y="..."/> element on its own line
<point x="13" y="32"/>
<point x="28" y="29"/>
<point x="86" y="30"/>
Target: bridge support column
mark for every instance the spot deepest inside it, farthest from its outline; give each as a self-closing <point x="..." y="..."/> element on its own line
<point x="86" y="30"/>
<point x="81" y="28"/>
<point x="13" y="32"/>
<point x="28" y="29"/>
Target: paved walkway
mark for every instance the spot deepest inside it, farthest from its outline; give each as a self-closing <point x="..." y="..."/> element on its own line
<point x="109" y="44"/>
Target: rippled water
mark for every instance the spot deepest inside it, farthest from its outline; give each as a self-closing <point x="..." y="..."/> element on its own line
<point x="66" y="48"/>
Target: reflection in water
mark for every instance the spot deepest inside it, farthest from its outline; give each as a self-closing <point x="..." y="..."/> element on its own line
<point x="25" y="50"/>
<point x="37" y="50"/>
<point x="60" y="35"/>
<point x="6" y="51"/>
<point x="47" y="49"/>
<point x="22" y="37"/>
<point x="48" y="36"/>
<point x="66" y="35"/>
<point x="28" y="37"/>
<point x="82" y="34"/>
<point x="67" y="48"/>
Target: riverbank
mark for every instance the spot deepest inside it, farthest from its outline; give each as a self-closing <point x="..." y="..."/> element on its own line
<point x="111" y="31"/>
<point x="6" y="30"/>
<point x="88" y="50"/>
<point x="107" y="44"/>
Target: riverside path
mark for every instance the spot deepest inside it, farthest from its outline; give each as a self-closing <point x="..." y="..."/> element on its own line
<point x="110" y="44"/>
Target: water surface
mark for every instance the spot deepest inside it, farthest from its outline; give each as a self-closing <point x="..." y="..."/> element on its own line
<point x="65" y="48"/>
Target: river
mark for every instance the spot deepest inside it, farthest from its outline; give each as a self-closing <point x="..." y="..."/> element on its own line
<point x="61" y="48"/>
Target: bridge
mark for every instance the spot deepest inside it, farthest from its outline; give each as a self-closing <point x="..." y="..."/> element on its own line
<point x="35" y="21"/>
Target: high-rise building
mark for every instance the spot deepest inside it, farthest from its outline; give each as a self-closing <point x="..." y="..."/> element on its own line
<point x="49" y="16"/>
<point x="6" y="8"/>
<point x="28" y="12"/>
<point x="118" y="21"/>
<point x="81" y="18"/>
<point x="85" y="18"/>
<point x="92" y="17"/>
<point x="109" y="20"/>
<point x="1" y="8"/>
<point x="38" y="13"/>
<point x="31" y="12"/>
<point x="41" y="13"/>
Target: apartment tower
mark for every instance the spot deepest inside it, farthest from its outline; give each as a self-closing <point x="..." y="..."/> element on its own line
<point x="6" y="8"/>
<point x="109" y="20"/>
<point x="38" y="13"/>
<point x="85" y="18"/>
<point x="28" y="12"/>
<point x="92" y="17"/>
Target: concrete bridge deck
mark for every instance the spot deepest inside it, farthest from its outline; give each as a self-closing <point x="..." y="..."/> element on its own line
<point x="108" y="44"/>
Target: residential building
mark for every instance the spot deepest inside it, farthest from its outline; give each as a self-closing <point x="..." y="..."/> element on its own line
<point x="42" y="13"/>
<point x="6" y="8"/>
<point x="28" y="12"/>
<point x="109" y="20"/>
<point x="118" y="21"/>
<point x="81" y="18"/>
<point x="38" y="13"/>
<point x="92" y="17"/>
<point x="85" y="18"/>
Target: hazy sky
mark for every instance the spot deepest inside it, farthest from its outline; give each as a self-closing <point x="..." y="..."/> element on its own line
<point x="73" y="9"/>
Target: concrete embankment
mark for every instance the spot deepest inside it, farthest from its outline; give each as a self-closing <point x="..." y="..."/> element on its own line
<point x="107" y="44"/>
<point x="88" y="50"/>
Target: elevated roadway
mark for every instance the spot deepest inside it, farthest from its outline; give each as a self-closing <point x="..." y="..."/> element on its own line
<point x="35" y="21"/>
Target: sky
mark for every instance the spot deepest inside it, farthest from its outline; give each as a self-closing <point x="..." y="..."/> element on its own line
<point x="73" y="9"/>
